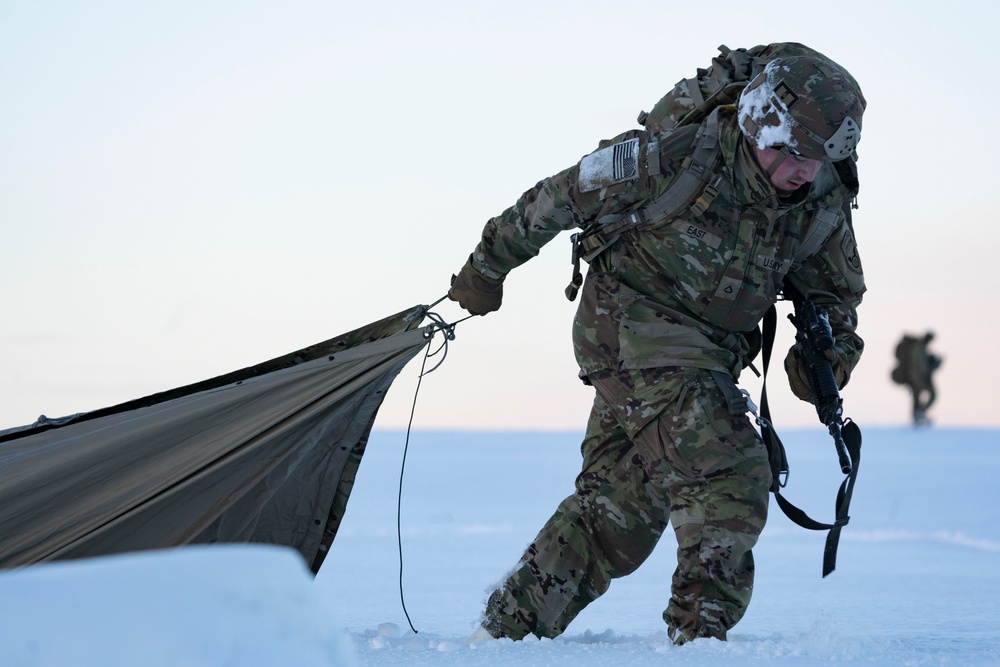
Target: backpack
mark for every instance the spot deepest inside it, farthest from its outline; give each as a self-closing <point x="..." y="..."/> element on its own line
<point x="693" y="101"/>
<point x="905" y="351"/>
<point x="914" y="362"/>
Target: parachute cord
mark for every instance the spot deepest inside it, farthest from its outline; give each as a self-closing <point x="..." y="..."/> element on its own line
<point x="437" y="302"/>
<point x="437" y="323"/>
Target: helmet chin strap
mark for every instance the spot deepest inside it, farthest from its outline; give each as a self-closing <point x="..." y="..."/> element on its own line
<point x="783" y="153"/>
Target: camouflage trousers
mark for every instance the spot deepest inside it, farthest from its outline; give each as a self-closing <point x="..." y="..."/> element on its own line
<point x="661" y="449"/>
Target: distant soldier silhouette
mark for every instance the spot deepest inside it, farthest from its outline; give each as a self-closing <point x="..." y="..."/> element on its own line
<point x="915" y="370"/>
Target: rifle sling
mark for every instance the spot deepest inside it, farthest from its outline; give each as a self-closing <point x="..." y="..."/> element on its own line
<point x="779" y="462"/>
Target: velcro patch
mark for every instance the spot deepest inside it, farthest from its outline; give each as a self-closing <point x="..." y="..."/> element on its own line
<point x="696" y="232"/>
<point x="785" y="94"/>
<point x="728" y="288"/>
<point x="615" y="164"/>
<point x="770" y="263"/>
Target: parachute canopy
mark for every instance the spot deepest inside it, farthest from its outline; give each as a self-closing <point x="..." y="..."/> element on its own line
<point x="266" y="454"/>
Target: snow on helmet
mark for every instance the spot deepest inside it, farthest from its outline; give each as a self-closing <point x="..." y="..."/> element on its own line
<point x="810" y="105"/>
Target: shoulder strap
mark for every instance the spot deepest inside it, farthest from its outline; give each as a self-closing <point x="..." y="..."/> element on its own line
<point x="775" y="448"/>
<point x="824" y="222"/>
<point x="693" y="180"/>
<point x="694" y="177"/>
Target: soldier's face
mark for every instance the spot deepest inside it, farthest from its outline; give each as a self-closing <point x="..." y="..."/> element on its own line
<point x="793" y="172"/>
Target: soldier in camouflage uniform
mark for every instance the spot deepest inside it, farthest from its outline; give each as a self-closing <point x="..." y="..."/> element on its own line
<point x="667" y="320"/>
<point x="916" y="369"/>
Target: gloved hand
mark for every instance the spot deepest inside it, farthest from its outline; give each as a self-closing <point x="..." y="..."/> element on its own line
<point x="798" y="378"/>
<point x="475" y="292"/>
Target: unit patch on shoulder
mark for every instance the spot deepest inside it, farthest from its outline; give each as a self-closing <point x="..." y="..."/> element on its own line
<point x="848" y="264"/>
<point x="850" y="249"/>
<point x="615" y="164"/>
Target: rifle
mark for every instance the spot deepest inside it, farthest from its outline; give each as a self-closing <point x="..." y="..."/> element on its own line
<point x="815" y="337"/>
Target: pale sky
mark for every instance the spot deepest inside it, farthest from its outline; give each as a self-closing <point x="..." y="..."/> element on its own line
<point x="189" y="188"/>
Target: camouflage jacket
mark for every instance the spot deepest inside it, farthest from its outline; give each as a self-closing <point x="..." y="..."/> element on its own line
<point x="687" y="290"/>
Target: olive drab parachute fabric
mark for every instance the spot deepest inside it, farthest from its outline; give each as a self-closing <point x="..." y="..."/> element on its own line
<point x="267" y="454"/>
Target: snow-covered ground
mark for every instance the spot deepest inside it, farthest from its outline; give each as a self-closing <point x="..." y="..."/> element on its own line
<point x="917" y="579"/>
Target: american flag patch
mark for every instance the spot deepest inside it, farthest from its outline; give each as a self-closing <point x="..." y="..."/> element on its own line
<point x="625" y="160"/>
<point x="614" y="164"/>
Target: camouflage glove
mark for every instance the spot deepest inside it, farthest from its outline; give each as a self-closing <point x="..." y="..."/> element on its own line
<point x="798" y="378"/>
<point x="475" y="292"/>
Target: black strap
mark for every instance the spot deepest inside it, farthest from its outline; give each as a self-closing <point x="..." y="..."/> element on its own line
<point x="779" y="462"/>
<point x="775" y="448"/>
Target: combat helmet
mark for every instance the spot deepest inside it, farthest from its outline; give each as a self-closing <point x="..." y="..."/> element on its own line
<point x="803" y="105"/>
